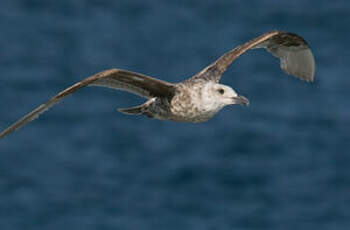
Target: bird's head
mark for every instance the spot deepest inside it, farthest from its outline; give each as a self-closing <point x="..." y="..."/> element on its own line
<point x="218" y="95"/>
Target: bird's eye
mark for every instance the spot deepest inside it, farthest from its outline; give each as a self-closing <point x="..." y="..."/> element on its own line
<point x="221" y="91"/>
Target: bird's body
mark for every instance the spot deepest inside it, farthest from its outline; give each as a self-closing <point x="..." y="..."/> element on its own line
<point x="188" y="104"/>
<point x="198" y="98"/>
<point x="192" y="102"/>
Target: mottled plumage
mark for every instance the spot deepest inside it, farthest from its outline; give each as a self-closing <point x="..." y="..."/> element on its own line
<point x="196" y="99"/>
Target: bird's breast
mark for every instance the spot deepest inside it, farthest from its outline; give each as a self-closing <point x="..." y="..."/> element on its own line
<point x="187" y="106"/>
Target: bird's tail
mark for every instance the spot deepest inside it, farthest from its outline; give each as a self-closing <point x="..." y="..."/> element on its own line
<point x="136" y="110"/>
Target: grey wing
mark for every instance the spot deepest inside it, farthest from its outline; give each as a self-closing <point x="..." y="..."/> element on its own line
<point x="114" y="78"/>
<point x="293" y="51"/>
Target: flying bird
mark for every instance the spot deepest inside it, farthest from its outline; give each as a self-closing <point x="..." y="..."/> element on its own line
<point x="198" y="98"/>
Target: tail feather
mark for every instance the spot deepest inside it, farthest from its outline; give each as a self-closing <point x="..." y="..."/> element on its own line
<point x="136" y="110"/>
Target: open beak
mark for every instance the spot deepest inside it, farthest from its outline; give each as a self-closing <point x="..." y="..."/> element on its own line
<point x="240" y="100"/>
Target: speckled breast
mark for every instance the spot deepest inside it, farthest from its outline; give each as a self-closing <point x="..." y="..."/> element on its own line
<point x="185" y="106"/>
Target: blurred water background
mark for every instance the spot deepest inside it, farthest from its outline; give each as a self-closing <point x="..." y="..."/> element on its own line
<point x="281" y="163"/>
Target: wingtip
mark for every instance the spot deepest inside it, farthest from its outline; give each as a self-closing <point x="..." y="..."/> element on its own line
<point x="4" y="133"/>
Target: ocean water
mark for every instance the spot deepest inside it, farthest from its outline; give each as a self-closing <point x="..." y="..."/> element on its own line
<point x="281" y="163"/>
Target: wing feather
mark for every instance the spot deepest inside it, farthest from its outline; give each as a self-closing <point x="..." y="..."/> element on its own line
<point x="293" y="51"/>
<point x="114" y="78"/>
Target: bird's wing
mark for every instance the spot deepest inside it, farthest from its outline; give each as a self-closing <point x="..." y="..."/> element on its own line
<point x="293" y="51"/>
<point x="114" y="78"/>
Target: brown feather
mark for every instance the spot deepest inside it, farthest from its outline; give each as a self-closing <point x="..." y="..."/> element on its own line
<point x="292" y="50"/>
<point x="115" y="78"/>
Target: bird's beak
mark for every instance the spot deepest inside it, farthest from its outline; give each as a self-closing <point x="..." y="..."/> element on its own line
<point x="240" y="100"/>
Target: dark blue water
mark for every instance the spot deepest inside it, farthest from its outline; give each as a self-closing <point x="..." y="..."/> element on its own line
<point x="281" y="163"/>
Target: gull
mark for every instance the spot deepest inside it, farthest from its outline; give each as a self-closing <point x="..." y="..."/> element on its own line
<point x="198" y="98"/>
